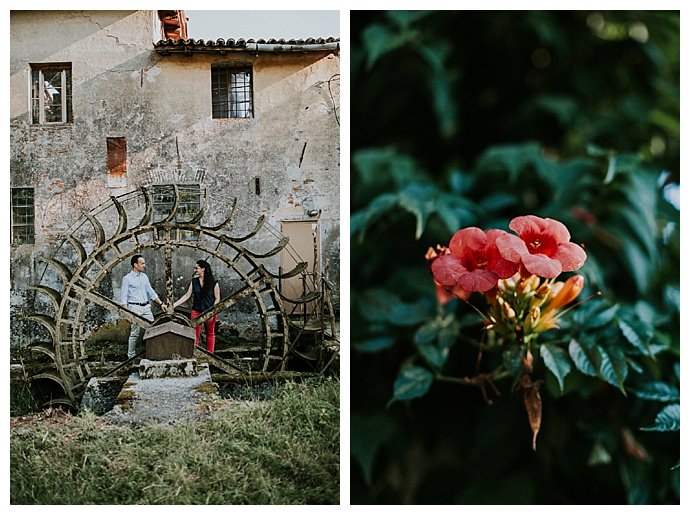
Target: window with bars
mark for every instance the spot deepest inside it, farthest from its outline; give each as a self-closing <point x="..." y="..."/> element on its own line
<point x="51" y="93"/>
<point x="187" y="207"/>
<point x="231" y="92"/>
<point x="22" y="216"/>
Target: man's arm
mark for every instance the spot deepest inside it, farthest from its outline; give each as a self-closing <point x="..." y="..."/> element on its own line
<point x="123" y="291"/>
<point x="152" y="294"/>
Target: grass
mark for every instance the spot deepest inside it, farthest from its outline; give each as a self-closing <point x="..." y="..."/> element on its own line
<point x="281" y="451"/>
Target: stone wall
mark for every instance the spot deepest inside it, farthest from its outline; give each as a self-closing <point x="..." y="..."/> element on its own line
<point x="161" y="106"/>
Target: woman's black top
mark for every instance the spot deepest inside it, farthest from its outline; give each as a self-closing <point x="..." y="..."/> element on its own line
<point x="202" y="302"/>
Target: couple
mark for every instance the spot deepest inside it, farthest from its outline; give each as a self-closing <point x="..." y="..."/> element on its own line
<point x="136" y="292"/>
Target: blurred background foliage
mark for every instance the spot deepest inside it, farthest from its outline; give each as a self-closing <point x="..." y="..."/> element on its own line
<point x="472" y="118"/>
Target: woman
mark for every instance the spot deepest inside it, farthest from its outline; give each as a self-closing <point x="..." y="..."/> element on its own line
<point x="206" y="293"/>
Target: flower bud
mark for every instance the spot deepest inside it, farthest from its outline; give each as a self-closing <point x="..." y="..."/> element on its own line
<point x="506" y="284"/>
<point x="534" y="315"/>
<point x="569" y="292"/>
<point x="507" y="311"/>
<point x="430" y="254"/>
<point x="529" y="284"/>
<point x="527" y="361"/>
<point x="555" y="289"/>
<point x="542" y="291"/>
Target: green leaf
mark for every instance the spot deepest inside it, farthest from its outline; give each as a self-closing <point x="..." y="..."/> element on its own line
<point x="611" y="171"/>
<point x="647" y="315"/>
<point x="404" y="314"/>
<point x="613" y="368"/>
<point x="367" y="434"/>
<point x="427" y="333"/>
<point x="668" y="419"/>
<point x="361" y="220"/>
<point x="425" y="339"/>
<point x="635" y="476"/>
<point x="581" y="359"/>
<point x="455" y="211"/>
<point x="460" y="182"/>
<point x="375" y="305"/>
<point x="665" y="121"/>
<point x="564" y="108"/>
<point x="595" y="314"/>
<point x="440" y="83"/>
<point x="603" y="318"/>
<point x="512" y="158"/>
<point x="374" y="344"/>
<point x="636" y="223"/>
<point x="633" y="337"/>
<point x="379" y="40"/>
<point x="381" y="204"/>
<point x="434" y="355"/>
<point x="638" y="263"/>
<point x="381" y="305"/>
<point x="448" y="335"/>
<point x="656" y="391"/>
<point x="672" y="296"/>
<point x="420" y="200"/>
<point x="383" y="165"/>
<point x="557" y="361"/>
<point x="499" y="201"/>
<point x="358" y="222"/>
<point x="412" y="382"/>
<point x="596" y="151"/>
<point x="406" y="18"/>
<point x="434" y="340"/>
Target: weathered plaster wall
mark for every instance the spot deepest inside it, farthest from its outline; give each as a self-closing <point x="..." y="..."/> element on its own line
<point x="161" y="105"/>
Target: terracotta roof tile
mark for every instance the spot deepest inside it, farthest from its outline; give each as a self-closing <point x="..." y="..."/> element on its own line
<point x="201" y="45"/>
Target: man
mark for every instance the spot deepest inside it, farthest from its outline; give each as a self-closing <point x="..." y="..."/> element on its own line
<point x="135" y="294"/>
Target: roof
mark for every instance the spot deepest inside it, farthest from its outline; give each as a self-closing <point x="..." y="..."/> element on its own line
<point x="221" y="45"/>
<point x="170" y="327"/>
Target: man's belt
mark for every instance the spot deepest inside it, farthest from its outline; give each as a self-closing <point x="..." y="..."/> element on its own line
<point x="139" y="303"/>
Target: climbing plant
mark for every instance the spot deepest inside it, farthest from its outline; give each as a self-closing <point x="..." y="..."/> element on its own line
<point x="476" y="375"/>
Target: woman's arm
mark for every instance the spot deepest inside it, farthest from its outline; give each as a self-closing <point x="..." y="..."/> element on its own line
<point x="184" y="297"/>
<point x="216" y="293"/>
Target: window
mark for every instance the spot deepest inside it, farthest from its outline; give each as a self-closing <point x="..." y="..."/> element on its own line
<point x="187" y="207"/>
<point x="231" y="92"/>
<point x="22" y="216"/>
<point x="51" y="93"/>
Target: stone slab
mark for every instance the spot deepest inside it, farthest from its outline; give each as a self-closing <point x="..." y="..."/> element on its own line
<point x="164" y="400"/>
<point x="158" y="369"/>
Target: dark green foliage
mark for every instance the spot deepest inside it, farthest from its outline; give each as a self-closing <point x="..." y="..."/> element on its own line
<point x="470" y="118"/>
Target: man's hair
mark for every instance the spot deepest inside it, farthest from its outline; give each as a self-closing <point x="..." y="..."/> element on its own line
<point x="135" y="259"/>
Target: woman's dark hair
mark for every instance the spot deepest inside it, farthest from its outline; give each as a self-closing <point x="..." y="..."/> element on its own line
<point x="209" y="280"/>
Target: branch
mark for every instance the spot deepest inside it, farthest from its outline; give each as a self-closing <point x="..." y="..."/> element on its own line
<point x="480" y="381"/>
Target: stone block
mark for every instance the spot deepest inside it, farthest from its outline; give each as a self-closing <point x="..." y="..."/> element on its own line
<point x="100" y="394"/>
<point x="157" y="369"/>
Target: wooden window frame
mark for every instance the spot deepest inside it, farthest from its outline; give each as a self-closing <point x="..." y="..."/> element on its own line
<point x="38" y="93"/>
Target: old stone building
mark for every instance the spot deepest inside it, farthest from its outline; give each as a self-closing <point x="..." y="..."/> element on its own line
<point x="229" y="134"/>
